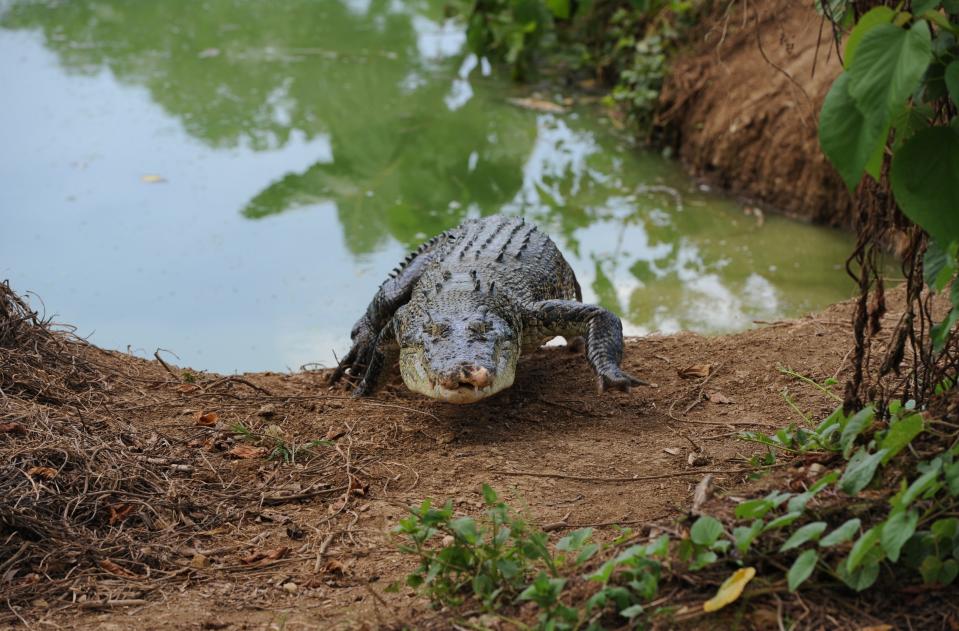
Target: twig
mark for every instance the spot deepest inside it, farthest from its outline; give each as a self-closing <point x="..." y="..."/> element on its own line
<point x="166" y="366"/>
<point x="663" y="476"/>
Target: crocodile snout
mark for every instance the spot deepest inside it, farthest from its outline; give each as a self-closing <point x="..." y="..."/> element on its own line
<point x="466" y="376"/>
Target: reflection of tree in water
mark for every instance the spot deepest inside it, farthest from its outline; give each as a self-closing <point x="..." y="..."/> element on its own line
<point x="253" y="74"/>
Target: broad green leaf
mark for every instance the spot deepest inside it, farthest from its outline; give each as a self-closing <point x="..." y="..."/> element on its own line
<point x="940" y="332"/>
<point x="802" y="568"/>
<point x="730" y="590"/>
<point x="952" y="81"/>
<point x="911" y="120"/>
<point x="944" y="530"/>
<point x="809" y="532"/>
<point x="782" y="521"/>
<point x="923" y="177"/>
<point x="752" y="509"/>
<point x="859" y="423"/>
<point x="862" y="547"/>
<point x="744" y="536"/>
<point x="861" y="578"/>
<point x="930" y="568"/>
<point x="705" y="531"/>
<point x="465" y="527"/>
<point x="489" y="495"/>
<point x="896" y="531"/>
<point x="870" y="20"/>
<point x="920" y="485"/>
<point x="842" y="534"/>
<point x="921" y="6"/>
<point x="900" y="434"/>
<point x="860" y="470"/>
<point x="939" y="264"/>
<point x="844" y="134"/>
<point x="887" y="68"/>
<point x="632" y="611"/>
<point x="559" y="8"/>
<point x="574" y="540"/>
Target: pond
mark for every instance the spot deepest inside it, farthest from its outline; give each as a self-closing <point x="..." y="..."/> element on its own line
<point x="231" y="180"/>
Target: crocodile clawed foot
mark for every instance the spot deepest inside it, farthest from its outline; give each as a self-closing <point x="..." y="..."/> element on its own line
<point x="619" y="380"/>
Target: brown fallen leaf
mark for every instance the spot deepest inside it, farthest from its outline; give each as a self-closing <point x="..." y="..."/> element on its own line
<point x="336" y="566"/>
<point x="673" y="451"/>
<point x="719" y="397"/>
<point x="113" y="568"/>
<point x="339" y="504"/>
<point x="12" y="428"/>
<point x="538" y="105"/>
<point x="334" y="433"/>
<point x="262" y="558"/>
<point x="206" y="419"/>
<point x="47" y="473"/>
<point x="695" y="371"/>
<point x="358" y="487"/>
<point x="246" y="452"/>
<point x="119" y="512"/>
<point x="187" y="387"/>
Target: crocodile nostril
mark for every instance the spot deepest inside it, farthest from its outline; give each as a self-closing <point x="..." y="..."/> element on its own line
<point x="475" y="376"/>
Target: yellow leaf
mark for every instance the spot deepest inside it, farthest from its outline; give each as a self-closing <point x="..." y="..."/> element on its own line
<point x="153" y="179"/>
<point x="730" y="590"/>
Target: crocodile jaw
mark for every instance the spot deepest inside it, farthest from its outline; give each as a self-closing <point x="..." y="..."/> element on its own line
<point x="417" y="379"/>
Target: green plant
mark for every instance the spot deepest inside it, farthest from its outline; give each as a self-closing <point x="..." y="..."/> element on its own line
<point x="901" y="77"/>
<point x="501" y="560"/>
<point x="514" y="31"/>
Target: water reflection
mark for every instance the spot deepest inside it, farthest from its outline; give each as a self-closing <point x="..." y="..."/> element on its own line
<point x="277" y="121"/>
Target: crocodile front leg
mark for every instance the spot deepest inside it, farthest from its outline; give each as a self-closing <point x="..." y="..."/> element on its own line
<point x="392" y="294"/>
<point x="603" y="332"/>
<point x="385" y="352"/>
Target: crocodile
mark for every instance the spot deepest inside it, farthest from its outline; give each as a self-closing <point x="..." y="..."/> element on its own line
<point x="461" y="308"/>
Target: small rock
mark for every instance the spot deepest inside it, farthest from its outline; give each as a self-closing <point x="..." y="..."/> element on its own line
<point x="448" y="541"/>
<point x="40" y="603"/>
<point x="815" y="469"/>
<point x="267" y="411"/>
<point x="290" y="587"/>
<point x="697" y="459"/>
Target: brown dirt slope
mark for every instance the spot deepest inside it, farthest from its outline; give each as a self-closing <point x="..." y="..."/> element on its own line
<point x="165" y="518"/>
<point x="744" y="101"/>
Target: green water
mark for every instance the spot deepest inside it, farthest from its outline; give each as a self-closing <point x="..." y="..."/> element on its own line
<point x="232" y="180"/>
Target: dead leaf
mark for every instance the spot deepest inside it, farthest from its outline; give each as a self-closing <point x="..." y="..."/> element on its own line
<point x="696" y="371"/>
<point x="730" y="590"/>
<point x="338" y="504"/>
<point x="152" y="179"/>
<point x="187" y="387"/>
<point x="358" y="487"/>
<point x="336" y="566"/>
<point x="673" y="451"/>
<point x="334" y="433"/>
<point x="47" y="473"/>
<point x="115" y="569"/>
<point x="262" y="558"/>
<point x="877" y="627"/>
<point x="206" y="419"/>
<point x="719" y="397"/>
<point x="119" y="512"/>
<point x="12" y="428"/>
<point x="246" y="452"/>
<point x="199" y="561"/>
<point x="538" y="105"/>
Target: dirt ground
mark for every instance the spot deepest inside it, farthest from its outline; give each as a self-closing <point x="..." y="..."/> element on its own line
<point x="744" y="100"/>
<point x="248" y="527"/>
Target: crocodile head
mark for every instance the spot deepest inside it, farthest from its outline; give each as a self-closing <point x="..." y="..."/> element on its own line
<point x="457" y="351"/>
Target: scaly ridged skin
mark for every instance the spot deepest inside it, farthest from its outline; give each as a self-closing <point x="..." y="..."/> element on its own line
<point x="460" y="309"/>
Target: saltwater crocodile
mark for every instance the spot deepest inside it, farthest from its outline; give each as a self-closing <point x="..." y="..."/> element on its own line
<point x="460" y="309"/>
